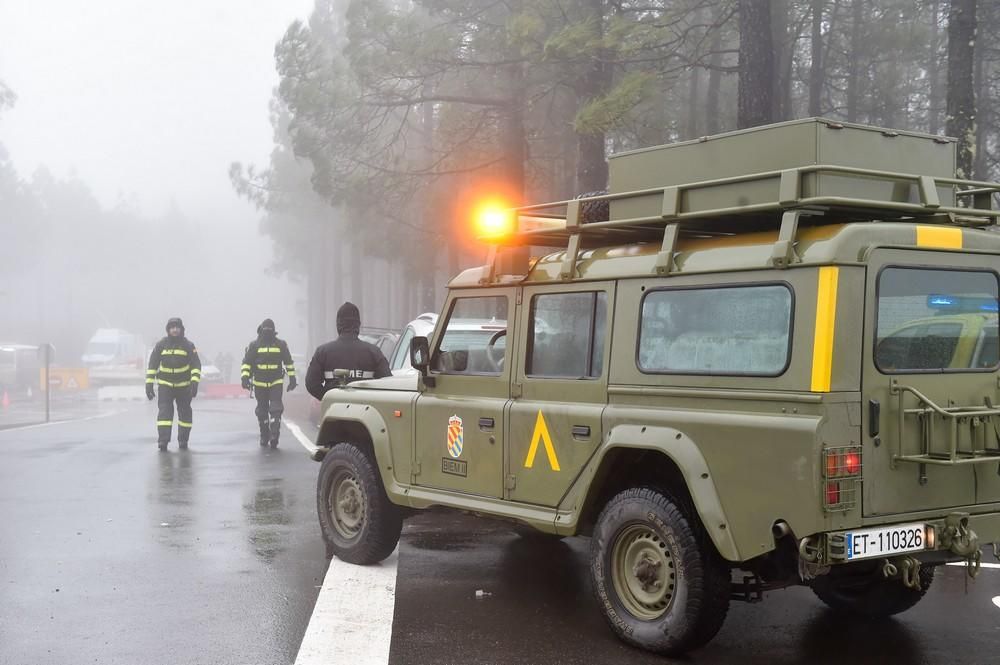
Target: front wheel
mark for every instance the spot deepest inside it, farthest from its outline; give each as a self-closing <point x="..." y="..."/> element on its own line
<point x="359" y="523"/>
<point x="658" y="580"/>
<point x="867" y="593"/>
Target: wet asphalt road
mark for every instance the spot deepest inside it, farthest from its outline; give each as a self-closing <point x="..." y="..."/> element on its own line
<point x="540" y="610"/>
<point x="111" y="552"/>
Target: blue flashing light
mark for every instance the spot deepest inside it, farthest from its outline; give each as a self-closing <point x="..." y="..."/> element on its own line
<point x="941" y="302"/>
<point x="990" y="307"/>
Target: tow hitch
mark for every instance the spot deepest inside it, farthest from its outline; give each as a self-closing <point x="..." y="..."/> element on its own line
<point x="963" y="541"/>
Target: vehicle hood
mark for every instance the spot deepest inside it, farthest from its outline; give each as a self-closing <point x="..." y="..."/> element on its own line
<point x="97" y="358"/>
<point x="388" y="383"/>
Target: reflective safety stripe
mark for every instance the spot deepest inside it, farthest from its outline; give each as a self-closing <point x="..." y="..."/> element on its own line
<point x="352" y="374"/>
<point x="179" y="384"/>
<point x="181" y="423"/>
<point x="823" y="334"/>
<point x="245" y="372"/>
<point x="269" y="349"/>
<point x="173" y="352"/>
<point x="174" y="370"/>
<point x="244" y="366"/>
<point x="291" y="371"/>
<point x="195" y="371"/>
<point x="150" y="371"/>
<point x="268" y="366"/>
<point x="150" y="380"/>
<point x="195" y="378"/>
<point x="164" y="423"/>
<point x="267" y="384"/>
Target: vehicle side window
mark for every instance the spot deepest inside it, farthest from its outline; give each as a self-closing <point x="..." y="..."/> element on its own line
<point x="474" y="340"/>
<point x="566" y="335"/>
<point x="401" y="357"/>
<point x="742" y="330"/>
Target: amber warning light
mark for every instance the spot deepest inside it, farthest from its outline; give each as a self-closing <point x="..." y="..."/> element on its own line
<point x="493" y="220"/>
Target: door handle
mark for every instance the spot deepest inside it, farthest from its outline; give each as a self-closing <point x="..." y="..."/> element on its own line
<point x="581" y="431"/>
<point x="874" y="411"/>
<point x="485" y="423"/>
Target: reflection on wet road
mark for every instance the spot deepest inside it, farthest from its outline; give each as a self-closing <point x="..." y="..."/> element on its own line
<point x="113" y="552"/>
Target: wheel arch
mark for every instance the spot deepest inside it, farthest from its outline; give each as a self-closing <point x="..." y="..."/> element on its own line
<point x="664" y="458"/>
<point x="363" y="426"/>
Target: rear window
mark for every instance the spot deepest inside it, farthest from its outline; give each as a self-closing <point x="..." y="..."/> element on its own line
<point x="936" y="320"/>
<point x="740" y="330"/>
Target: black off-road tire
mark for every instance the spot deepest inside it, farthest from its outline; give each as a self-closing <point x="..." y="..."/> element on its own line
<point x="870" y="594"/>
<point x="691" y="573"/>
<point x="365" y="527"/>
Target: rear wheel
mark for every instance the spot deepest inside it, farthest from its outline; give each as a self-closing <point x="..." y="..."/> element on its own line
<point x="359" y="523"/>
<point x="658" y="580"/>
<point x="867" y="593"/>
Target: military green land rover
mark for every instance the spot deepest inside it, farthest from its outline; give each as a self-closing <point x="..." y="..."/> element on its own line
<point x="764" y="358"/>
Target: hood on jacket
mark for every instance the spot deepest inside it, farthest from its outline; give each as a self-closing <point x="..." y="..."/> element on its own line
<point x="175" y="321"/>
<point x="348" y="319"/>
<point x="266" y="327"/>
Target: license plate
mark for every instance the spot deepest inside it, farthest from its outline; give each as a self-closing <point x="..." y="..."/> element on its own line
<point x="882" y="541"/>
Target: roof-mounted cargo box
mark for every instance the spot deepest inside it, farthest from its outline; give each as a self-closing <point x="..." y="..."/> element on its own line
<point x="776" y="148"/>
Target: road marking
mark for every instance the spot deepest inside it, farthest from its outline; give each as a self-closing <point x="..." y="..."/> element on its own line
<point x="300" y="435"/>
<point x="996" y="601"/>
<point x="343" y="630"/>
<point x="58" y="422"/>
<point x="981" y="565"/>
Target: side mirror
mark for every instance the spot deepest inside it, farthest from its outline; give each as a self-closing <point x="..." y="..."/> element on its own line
<point x="420" y="358"/>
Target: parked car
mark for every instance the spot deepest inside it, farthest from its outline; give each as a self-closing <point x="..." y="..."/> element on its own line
<point x="459" y="331"/>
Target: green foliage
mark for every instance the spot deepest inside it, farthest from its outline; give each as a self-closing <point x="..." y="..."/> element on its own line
<point x="611" y="111"/>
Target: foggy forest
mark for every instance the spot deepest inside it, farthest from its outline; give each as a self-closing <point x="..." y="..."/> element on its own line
<point x="390" y="118"/>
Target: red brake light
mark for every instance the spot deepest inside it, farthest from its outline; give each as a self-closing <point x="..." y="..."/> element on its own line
<point x="852" y="464"/>
<point x="832" y="493"/>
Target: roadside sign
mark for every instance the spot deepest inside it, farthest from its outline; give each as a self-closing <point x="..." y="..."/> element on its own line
<point x="66" y="378"/>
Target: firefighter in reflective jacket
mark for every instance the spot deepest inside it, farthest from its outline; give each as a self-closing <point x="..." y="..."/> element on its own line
<point x="174" y="366"/>
<point x="361" y="359"/>
<point x="262" y="369"/>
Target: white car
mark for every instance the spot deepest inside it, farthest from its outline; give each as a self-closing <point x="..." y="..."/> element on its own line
<point x="423" y="326"/>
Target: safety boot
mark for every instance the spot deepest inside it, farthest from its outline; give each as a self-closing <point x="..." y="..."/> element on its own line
<point x="275" y="431"/>
<point x="182" y="445"/>
<point x="162" y="445"/>
<point x="265" y="434"/>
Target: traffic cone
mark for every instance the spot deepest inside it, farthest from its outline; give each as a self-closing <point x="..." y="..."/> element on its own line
<point x="6" y="400"/>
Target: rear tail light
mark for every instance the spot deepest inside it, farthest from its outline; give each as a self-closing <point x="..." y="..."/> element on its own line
<point x="842" y="467"/>
<point x="832" y="493"/>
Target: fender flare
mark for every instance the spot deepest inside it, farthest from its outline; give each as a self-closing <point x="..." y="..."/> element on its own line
<point x="368" y="417"/>
<point x="684" y="453"/>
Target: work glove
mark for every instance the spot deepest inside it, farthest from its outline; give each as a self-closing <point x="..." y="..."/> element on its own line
<point x="292" y="383"/>
<point x="194" y="389"/>
<point x="149" y="391"/>
<point x="245" y="382"/>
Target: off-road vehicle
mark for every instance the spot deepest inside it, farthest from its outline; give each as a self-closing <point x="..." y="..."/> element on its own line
<point x="727" y="373"/>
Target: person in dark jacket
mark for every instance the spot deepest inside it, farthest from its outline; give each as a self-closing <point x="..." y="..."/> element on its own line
<point x="262" y="369"/>
<point x="174" y="366"/>
<point x="361" y="359"/>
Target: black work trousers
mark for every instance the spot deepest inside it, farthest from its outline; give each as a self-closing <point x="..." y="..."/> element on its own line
<point x="165" y="418"/>
<point x="269" y="409"/>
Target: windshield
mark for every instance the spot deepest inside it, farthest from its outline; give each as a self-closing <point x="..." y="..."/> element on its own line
<point x="101" y="349"/>
<point x="933" y="320"/>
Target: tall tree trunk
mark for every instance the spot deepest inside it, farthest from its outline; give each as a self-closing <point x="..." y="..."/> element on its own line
<point x="984" y="100"/>
<point x="934" y="71"/>
<point x="961" y="122"/>
<point x="591" y="165"/>
<point x="693" y="107"/>
<point x="853" y="60"/>
<point x="783" y="56"/>
<point x="755" y="105"/>
<point x="712" y="123"/>
<point x="816" y="66"/>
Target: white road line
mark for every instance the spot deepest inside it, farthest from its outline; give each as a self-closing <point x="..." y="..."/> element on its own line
<point x="58" y="422"/>
<point x="302" y="438"/>
<point x="996" y="601"/>
<point x="982" y="565"/>
<point x="343" y="630"/>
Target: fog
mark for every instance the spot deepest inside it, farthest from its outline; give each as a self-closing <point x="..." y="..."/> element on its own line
<point x="116" y="209"/>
